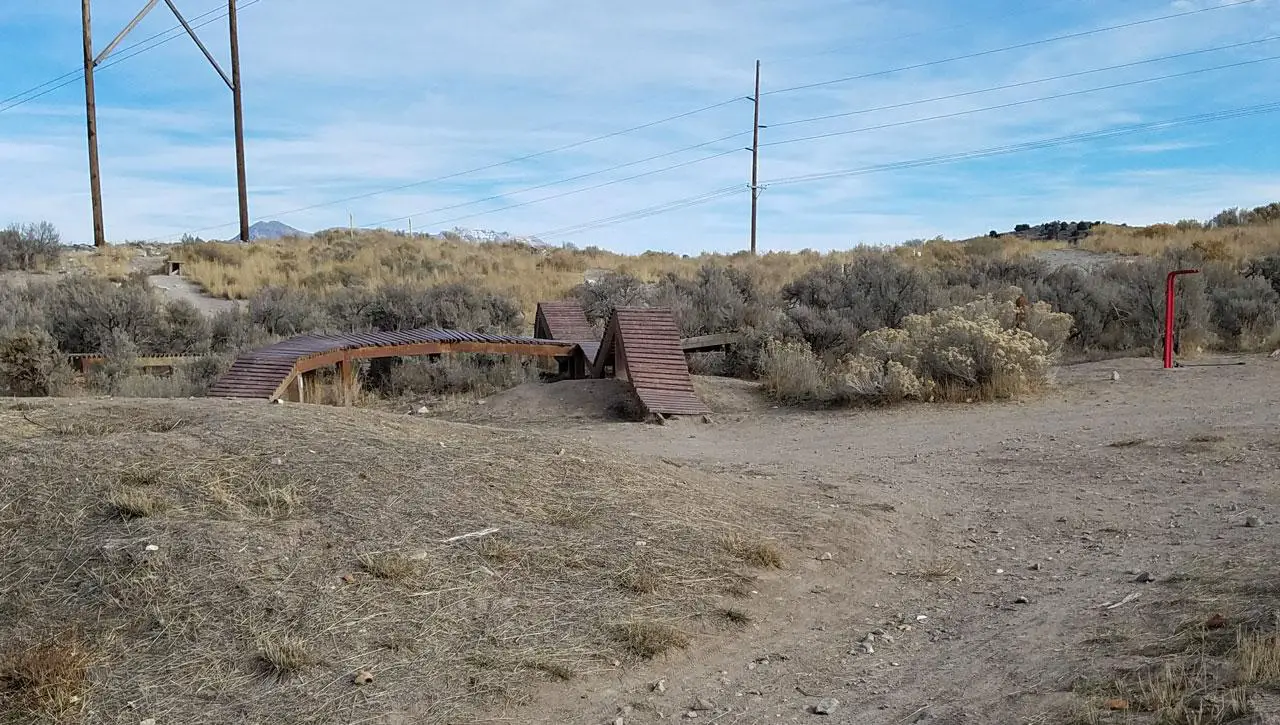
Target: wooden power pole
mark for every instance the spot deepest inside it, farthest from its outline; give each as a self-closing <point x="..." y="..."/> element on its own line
<point x="238" y="103"/>
<point x="91" y="115"/>
<point x="755" y="160"/>
<point x="232" y="81"/>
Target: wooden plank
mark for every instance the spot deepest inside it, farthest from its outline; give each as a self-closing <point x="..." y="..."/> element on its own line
<point x="710" y="342"/>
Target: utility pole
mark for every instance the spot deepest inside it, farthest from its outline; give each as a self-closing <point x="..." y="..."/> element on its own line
<point x="238" y="103"/>
<point x="755" y="160"/>
<point x="91" y="116"/>
<point x="232" y="81"/>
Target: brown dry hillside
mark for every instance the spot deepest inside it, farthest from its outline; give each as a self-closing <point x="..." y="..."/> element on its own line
<point x="202" y="561"/>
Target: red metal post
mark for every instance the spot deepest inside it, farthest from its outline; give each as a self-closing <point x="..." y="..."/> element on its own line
<point x="1168" y="313"/>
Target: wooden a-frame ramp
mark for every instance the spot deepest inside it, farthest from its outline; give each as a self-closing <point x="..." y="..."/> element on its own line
<point x="642" y="346"/>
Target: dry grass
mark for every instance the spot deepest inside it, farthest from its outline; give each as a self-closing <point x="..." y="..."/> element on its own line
<point x="267" y="509"/>
<point x="1207" y="670"/>
<point x="754" y="552"/>
<point x="648" y="639"/>
<point x="1258" y="659"/>
<point x="284" y="655"/>
<point x="1227" y="244"/>
<point x="388" y="565"/>
<point x="528" y="274"/>
<point x="135" y="503"/>
<point x="49" y="680"/>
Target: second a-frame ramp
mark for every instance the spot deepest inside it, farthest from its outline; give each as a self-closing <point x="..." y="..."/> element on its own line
<point x="642" y="346"/>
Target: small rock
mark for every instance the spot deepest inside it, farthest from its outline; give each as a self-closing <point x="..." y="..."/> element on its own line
<point x="152" y="547"/>
<point x="702" y="704"/>
<point x="279" y="401"/>
<point x="1252" y="522"/>
<point x="423" y="410"/>
<point x="1035" y="567"/>
<point x="1115" y="376"/>
<point x="659" y="687"/>
<point x="148" y="721"/>
<point x="826" y="706"/>
<point x="921" y="617"/>
<point x="866" y="648"/>
<point x="999" y="571"/>
<point x="363" y="677"/>
<point x="619" y="721"/>
<point x="1144" y="578"/>
<point x="691" y="715"/>
<point x="826" y="556"/>
<point x="1022" y="600"/>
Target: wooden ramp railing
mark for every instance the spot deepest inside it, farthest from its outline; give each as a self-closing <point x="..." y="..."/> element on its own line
<point x="267" y="372"/>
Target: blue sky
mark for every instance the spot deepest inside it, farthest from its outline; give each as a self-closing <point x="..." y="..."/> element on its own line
<point x="346" y="98"/>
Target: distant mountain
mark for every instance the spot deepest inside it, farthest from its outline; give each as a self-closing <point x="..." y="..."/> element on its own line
<point x="487" y="235"/>
<point x="273" y="230"/>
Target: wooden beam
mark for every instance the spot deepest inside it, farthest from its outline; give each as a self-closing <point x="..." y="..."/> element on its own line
<point x="710" y="342"/>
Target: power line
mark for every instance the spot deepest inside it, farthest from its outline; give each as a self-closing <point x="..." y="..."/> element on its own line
<point x="494" y="165"/>
<point x="579" y="177"/>
<point x="1005" y="49"/>
<point x="1039" y="144"/>
<point x="786" y="141"/>
<point x="571" y="192"/>
<point x="704" y="109"/>
<point x="871" y="41"/>
<point x="120" y="56"/>
<point x="79" y="71"/>
<point x="992" y="89"/>
<point x="677" y="204"/>
<point x="1014" y="104"/>
<point x="647" y="212"/>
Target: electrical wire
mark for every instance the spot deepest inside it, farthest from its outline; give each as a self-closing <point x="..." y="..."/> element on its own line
<point x="1015" y="104"/>
<point x="787" y="141"/>
<point x="566" y="193"/>
<point x="579" y="177"/>
<point x="646" y="212"/>
<point x="704" y="109"/>
<point x="1198" y="119"/>
<point x="119" y="57"/>
<point x="78" y="72"/>
<point x="1007" y="48"/>
<point x="975" y="154"/>
<point x="1037" y="81"/>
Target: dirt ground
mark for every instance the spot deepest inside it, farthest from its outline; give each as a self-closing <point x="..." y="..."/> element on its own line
<point x="1101" y="554"/>
<point x="988" y="542"/>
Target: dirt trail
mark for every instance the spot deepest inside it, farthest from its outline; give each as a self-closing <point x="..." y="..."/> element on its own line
<point x="981" y="539"/>
<point x="179" y="288"/>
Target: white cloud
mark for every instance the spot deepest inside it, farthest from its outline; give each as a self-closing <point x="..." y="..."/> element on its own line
<point x="345" y="98"/>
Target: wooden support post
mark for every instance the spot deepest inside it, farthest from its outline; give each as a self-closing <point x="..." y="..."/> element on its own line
<point x="346" y="380"/>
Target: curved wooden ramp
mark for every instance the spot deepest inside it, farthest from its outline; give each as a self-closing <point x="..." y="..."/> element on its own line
<point x="642" y="345"/>
<point x="267" y="372"/>
<point x="566" y="320"/>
